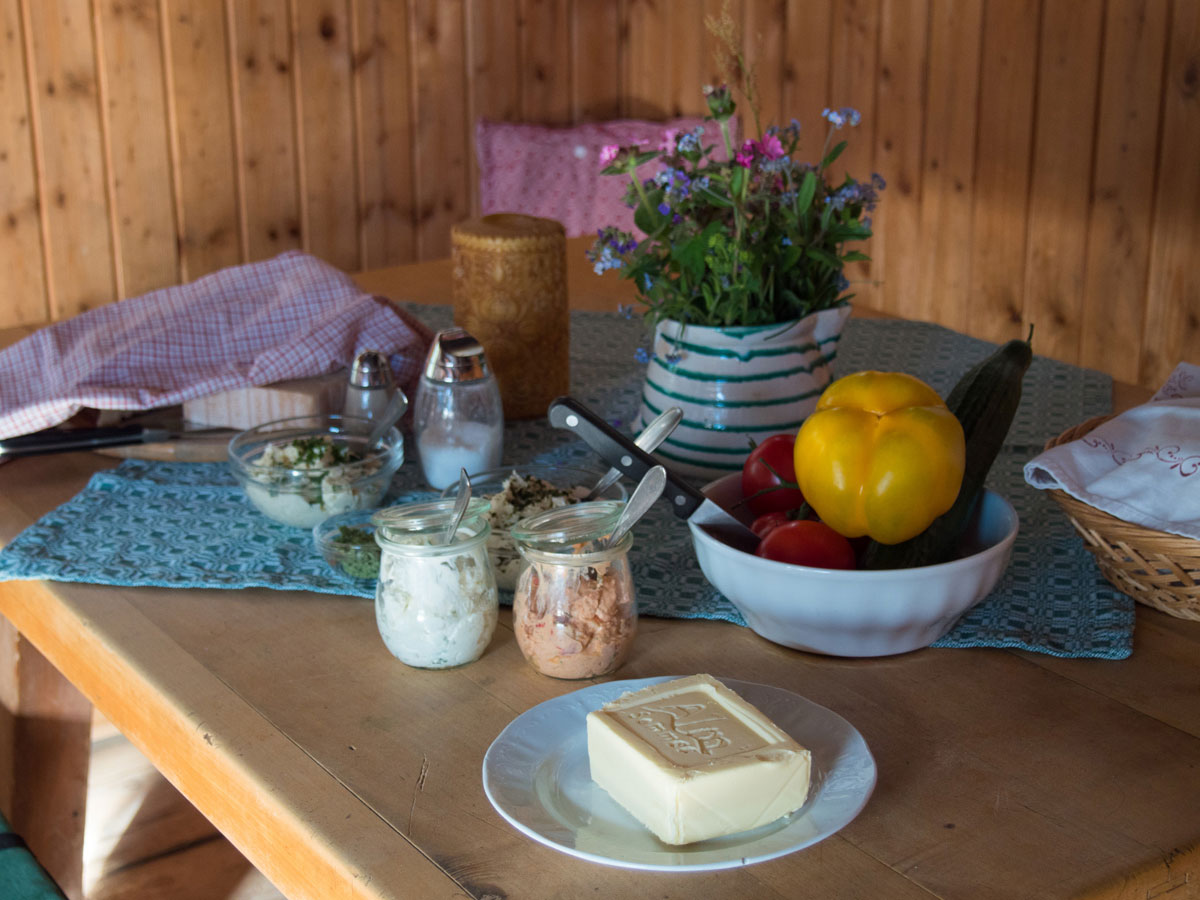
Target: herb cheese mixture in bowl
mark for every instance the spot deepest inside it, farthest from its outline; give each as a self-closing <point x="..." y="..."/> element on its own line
<point x="303" y="470"/>
<point x="347" y="542"/>
<point x="517" y="492"/>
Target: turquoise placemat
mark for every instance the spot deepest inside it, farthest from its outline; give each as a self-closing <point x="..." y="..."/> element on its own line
<point x="189" y="525"/>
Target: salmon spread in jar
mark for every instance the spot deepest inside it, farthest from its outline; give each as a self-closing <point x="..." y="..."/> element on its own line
<point x="574" y="609"/>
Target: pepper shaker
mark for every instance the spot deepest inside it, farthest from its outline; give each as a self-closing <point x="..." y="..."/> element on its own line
<point x="458" y="415"/>
<point x="370" y="386"/>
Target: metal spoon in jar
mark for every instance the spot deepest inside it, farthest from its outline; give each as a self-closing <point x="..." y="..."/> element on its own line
<point x="460" y="506"/>
<point x="649" y="489"/>
<point x="652" y="435"/>
<point x="391" y="415"/>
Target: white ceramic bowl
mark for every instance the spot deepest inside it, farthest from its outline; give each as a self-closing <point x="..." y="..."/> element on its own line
<point x="857" y="613"/>
<point x="302" y="497"/>
<point x="501" y="548"/>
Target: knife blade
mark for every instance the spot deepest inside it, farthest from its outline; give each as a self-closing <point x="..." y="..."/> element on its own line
<point x="64" y="440"/>
<point x="622" y="453"/>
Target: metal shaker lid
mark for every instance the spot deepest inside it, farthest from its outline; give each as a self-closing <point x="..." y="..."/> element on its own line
<point x="455" y="356"/>
<point x="370" y="369"/>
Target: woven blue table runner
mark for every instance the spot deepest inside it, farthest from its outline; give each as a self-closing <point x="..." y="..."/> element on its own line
<point x="189" y="525"/>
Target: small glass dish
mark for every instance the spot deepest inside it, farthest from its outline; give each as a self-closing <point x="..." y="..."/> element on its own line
<point x="307" y="491"/>
<point x="504" y="513"/>
<point x="347" y="542"/>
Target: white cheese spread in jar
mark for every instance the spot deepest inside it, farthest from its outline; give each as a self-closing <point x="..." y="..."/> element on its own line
<point x="436" y="604"/>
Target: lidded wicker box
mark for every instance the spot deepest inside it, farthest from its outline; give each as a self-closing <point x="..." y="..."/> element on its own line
<point x="510" y="293"/>
<point x="1159" y="569"/>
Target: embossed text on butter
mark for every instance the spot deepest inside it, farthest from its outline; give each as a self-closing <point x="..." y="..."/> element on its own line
<point x="691" y="729"/>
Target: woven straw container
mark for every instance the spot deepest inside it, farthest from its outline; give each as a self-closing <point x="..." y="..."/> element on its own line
<point x="510" y="293"/>
<point x="1153" y="567"/>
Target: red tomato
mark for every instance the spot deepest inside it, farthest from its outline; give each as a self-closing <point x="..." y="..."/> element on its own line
<point x="769" y="521"/>
<point x="807" y="543"/>
<point x="775" y="453"/>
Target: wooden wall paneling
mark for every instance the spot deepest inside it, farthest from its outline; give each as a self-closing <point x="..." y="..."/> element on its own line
<point x="702" y="67"/>
<point x="264" y="66"/>
<point x="24" y="300"/>
<point x="767" y="50"/>
<point x="1118" y="246"/>
<point x="948" y="176"/>
<point x="382" y="92"/>
<point x="805" y="89"/>
<point x="650" y="60"/>
<point x="545" y="77"/>
<point x="1004" y="135"/>
<point x="596" y="59"/>
<point x="688" y="40"/>
<point x="201" y="110"/>
<point x="131" y="57"/>
<point x="75" y="199"/>
<point x="853" y="74"/>
<point x="442" y="139"/>
<point x="493" y="80"/>
<point x="1171" y="333"/>
<point x="896" y="246"/>
<point x="329" y="176"/>
<point x="1061" y="177"/>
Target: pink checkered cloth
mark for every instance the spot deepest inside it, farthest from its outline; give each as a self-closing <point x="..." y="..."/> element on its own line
<point x="293" y="316"/>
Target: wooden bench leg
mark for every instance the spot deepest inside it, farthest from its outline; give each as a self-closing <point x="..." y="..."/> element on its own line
<point x="45" y="745"/>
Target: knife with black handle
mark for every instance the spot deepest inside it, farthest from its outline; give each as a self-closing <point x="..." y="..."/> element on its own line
<point x="622" y="453"/>
<point x="66" y="440"/>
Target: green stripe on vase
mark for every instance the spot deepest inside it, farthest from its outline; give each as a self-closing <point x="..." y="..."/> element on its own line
<point x="731" y="429"/>
<point x="734" y="404"/>
<point x="746" y="355"/>
<point x="693" y="375"/>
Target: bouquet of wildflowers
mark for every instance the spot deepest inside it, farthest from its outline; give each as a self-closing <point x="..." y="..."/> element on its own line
<point x="753" y="239"/>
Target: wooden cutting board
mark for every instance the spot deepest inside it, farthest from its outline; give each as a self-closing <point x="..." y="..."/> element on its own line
<point x="237" y="410"/>
<point x="247" y="407"/>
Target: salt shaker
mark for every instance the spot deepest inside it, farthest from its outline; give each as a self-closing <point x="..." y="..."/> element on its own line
<point x="370" y="386"/>
<point x="458" y="416"/>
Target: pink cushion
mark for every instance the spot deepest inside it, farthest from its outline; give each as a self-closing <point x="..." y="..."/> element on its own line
<point x="554" y="172"/>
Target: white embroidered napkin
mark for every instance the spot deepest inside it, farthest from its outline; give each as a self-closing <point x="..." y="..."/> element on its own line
<point x="1142" y="466"/>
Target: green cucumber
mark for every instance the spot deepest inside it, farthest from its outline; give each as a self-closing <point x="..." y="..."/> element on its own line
<point x="984" y="401"/>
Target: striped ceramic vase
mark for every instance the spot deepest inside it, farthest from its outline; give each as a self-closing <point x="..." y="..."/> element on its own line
<point x="736" y="385"/>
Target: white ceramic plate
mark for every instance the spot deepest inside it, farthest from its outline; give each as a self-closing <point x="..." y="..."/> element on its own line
<point x="536" y="775"/>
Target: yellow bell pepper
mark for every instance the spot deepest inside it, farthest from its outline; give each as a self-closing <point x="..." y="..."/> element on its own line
<point x="881" y="456"/>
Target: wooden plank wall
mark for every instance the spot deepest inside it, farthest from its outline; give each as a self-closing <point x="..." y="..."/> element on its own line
<point x="1040" y="154"/>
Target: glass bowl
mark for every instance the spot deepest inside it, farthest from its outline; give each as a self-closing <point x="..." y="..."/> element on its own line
<point x="506" y="508"/>
<point x="304" y="491"/>
<point x="339" y="541"/>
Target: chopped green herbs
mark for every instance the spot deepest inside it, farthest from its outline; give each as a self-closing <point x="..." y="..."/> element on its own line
<point x="358" y="552"/>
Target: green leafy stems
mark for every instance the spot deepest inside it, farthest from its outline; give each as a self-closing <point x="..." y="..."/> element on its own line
<point x="752" y="237"/>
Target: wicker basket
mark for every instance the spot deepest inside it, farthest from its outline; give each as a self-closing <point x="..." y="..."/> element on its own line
<point x="1156" y="568"/>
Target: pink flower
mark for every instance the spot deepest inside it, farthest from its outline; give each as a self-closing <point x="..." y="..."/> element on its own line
<point x="745" y="156"/>
<point x="770" y="147"/>
<point x="670" y="136"/>
<point x="608" y="153"/>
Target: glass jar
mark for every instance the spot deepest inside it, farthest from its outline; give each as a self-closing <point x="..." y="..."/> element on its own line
<point x="435" y="604"/>
<point x="574" y="611"/>
<point x="458" y="418"/>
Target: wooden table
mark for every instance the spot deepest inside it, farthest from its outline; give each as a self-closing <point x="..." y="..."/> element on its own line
<point x="340" y="772"/>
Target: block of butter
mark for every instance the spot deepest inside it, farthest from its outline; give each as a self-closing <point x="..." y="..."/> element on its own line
<point x="691" y="760"/>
